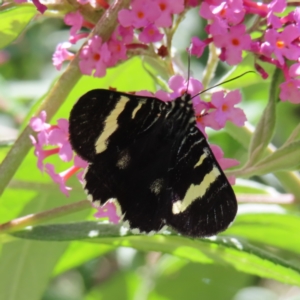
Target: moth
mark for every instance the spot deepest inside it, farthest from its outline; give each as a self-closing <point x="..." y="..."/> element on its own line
<point x="149" y="157"/>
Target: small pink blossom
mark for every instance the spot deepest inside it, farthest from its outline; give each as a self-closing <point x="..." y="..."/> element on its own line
<point x="117" y="50"/>
<point x="294" y="70"/>
<point x="61" y="54"/>
<point x="192" y="3"/>
<point x="276" y="6"/>
<point x="125" y="33"/>
<point x="80" y="164"/>
<point x="225" y="109"/>
<point x="163" y="95"/>
<point x="38" y="124"/>
<point x="60" y="179"/>
<point x="223" y="14"/>
<point x="141" y="14"/>
<point x="94" y="56"/>
<point x="144" y="93"/>
<point x="281" y="43"/>
<point x="40" y="7"/>
<point x="224" y="163"/>
<point x="233" y="43"/>
<point x="261" y="71"/>
<point x="167" y="9"/>
<point x="108" y="210"/>
<point x="290" y="91"/>
<point x="180" y="86"/>
<point x="150" y="34"/>
<point x="75" y="20"/>
<point x="59" y="135"/>
<point x="197" y="46"/>
<point x="40" y="153"/>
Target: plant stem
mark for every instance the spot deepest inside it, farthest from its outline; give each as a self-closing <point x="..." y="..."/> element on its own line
<point x="211" y="66"/>
<point x="38" y="218"/>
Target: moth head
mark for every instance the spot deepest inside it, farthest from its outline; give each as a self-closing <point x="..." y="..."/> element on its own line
<point x="186" y="98"/>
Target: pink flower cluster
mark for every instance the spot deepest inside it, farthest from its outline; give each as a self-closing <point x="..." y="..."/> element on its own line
<point x="55" y="135"/>
<point x="274" y="39"/>
<point x="148" y="17"/>
<point x="277" y="39"/>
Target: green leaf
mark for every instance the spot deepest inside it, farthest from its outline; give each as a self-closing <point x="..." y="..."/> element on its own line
<point x="284" y="158"/>
<point x="235" y="252"/>
<point x="295" y="135"/>
<point x="79" y="253"/>
<point x="25" y="267"/>
<point x="265" y="128"/>
<point x="13" y="21"/>
<point x="273" y="229"/>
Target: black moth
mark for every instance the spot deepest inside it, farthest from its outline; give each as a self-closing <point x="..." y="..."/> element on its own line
<point x="151" y="159"/>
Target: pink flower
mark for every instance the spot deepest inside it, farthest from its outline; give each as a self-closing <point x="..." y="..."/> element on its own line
<point x="59" y="135"/>
<point x="141" y="14"/>
<point x="203" y="117"/>
<point x="117" y="50"/>
<point x="61" y="54"/>
<point x="290" y="91"/>
<point x="180" y="86"/>
<point x="96" y="56"/>
<point x="197" y="47"/>
<point x="40" y="153"/>
<point x="38" y="124"/>
<point x="150" y="34"/>
<point x="80" y="164"/>
<point x="163" y="95"/>
<point x="108" y="210"/>
<point x="233" y="43"/>
<point x="261" y="71"/>
<point x="276" y="6"/>
<point x="224" y="14"/>
<point x="75" y="20"/>
<point x="281" y="43"/>
<point x="192" y="3"/>
<point x="225" y="109"/>
<point x="224" y="163"/>
<point x="126" y="34"/>
<point x="40" y="7"/>
<point x="296" y="16"/>
<point x="294" y="70"/>
<point x="167" y="8"/>
<point x="60" y="179"/>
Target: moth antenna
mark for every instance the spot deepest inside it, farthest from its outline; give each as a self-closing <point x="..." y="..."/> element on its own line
<point x="189" y="69"/>
<point x="226" y="81"/>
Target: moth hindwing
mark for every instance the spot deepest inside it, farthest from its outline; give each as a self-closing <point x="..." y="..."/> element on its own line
<point x="149" y="156"/>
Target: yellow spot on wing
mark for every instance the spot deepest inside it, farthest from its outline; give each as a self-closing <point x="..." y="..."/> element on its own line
<point x="137" y="109"/>
<point x="111" y="124"/>
<point x="202" y="157"/>
<point x="196" y="191"/>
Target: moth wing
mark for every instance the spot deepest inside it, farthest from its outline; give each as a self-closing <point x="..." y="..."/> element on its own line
<point x="124" y="139"/>
<point x="202" y="202"/>
<point x="136" y="177"/>
<point x="98" y="115"/>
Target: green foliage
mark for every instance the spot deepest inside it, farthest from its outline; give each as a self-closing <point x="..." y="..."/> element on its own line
<point x="13" y="22"/>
